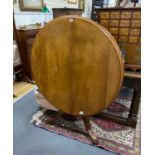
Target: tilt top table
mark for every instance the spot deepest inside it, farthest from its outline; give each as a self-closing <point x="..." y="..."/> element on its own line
<point x="77" y="65"/>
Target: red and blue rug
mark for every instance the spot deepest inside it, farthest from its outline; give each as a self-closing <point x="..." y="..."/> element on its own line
<point x="113" y="137"/>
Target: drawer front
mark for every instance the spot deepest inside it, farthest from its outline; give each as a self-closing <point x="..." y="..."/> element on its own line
<point x="113" y="30"/>
<point x="123" y="31"/>
<point x="133" y="39"/>
<point x="115" y="37"/>
<point x="136" y="23"/>
<point x="126" y="15"/>
<point x="133" y="53"/>
<point x="133" y="57"/>
<point x="115" y="15"/>
<point x="134" y="31"/>
<point x="104" y="15"/>
<point x="123" y="39"/>
<point x="104" y="23"/>
<point x="114" y="23"/>
<point x="136" y="15"/>
<point x="124" y="23"/>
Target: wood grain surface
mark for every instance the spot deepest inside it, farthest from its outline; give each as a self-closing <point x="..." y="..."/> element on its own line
<point x="77" y="65"/>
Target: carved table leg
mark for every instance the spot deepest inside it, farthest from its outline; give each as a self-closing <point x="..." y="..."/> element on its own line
<point x="86" y="120"/>
<point x="93" y="137"/>
<point x="51" y="120"/>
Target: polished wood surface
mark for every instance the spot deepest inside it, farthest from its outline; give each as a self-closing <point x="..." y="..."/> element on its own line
<point x="77" y="65"/>
<point x="133" y="53"/>
<point x="131" y="74"/>
<point x="132" y="67"/>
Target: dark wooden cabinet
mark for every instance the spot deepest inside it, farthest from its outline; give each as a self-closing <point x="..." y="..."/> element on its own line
<point x="17" y="67"/>
<point x="26" y="38"/>
<point x="57" y="12"/>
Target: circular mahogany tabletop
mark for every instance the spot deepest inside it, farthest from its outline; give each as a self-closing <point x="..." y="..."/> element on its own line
<point x="77" y="65"/>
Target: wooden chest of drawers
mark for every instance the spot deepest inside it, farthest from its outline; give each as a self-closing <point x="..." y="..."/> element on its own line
<point x="125" y="26"/>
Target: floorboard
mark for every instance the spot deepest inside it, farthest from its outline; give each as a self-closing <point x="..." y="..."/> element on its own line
<point x="21" y="88"/>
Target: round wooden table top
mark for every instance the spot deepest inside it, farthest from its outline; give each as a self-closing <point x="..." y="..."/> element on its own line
<point x="77" y="65"/>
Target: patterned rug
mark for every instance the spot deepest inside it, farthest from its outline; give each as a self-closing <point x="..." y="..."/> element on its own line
<point x="111" y="136"/>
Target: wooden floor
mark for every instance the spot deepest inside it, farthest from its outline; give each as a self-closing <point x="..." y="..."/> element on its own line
<point x="21" y="88"/>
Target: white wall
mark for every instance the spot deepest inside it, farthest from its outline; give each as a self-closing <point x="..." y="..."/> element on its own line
<point x="26" y="17"/>
<point x="88" y="8"/>
<point x="112" y="3"/>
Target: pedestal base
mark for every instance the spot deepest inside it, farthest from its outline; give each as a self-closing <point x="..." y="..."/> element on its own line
<point x="86" y="120"/>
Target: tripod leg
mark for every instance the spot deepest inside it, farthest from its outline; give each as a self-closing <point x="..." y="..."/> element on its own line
<point x="51" y="120"/>
<point x="93" y="137"/>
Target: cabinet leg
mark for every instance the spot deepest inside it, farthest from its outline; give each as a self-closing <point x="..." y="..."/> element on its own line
<point x="132" y="119"/>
